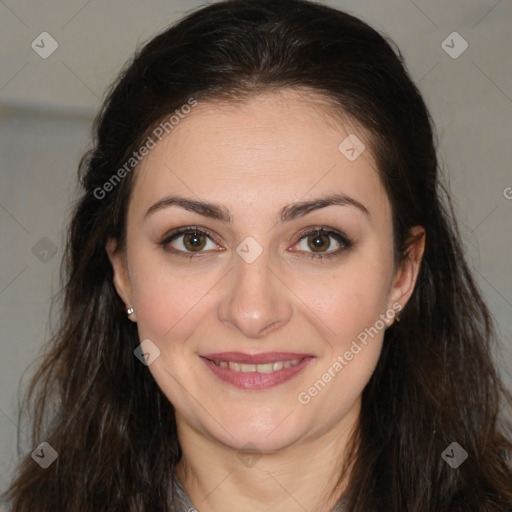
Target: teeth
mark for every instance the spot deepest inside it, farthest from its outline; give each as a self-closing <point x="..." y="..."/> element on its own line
<point x="259" y="368"/>
<point x="266" y="368"/>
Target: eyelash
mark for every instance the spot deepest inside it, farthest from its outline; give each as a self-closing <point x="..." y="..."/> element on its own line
<point x="342" y="239"/>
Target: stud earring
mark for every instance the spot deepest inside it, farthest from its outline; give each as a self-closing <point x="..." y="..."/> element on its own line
<point x="397" y="316"/>
<point x="129" y="311"/>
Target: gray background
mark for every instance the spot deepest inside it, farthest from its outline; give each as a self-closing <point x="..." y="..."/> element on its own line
<point x="47" y="105"/>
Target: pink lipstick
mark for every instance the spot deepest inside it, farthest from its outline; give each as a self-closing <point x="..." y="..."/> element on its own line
<point x="256" y="371"/>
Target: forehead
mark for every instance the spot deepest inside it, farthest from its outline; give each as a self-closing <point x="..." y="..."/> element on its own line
<point x="270" y="149"/>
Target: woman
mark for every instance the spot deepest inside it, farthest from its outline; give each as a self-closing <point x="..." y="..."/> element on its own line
<point x="267" y="305"/>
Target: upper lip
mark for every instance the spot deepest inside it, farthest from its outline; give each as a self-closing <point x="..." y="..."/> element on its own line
<point x="264" y="357"/>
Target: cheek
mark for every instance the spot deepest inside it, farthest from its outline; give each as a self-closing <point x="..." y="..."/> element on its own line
<point x="350" y="300"/>
<point x="165" y="300"/>
<point x="352" y="333"/>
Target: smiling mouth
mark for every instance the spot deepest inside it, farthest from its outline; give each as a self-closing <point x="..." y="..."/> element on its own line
<point x="257" y="368"/>
<point x="256" y="371"/>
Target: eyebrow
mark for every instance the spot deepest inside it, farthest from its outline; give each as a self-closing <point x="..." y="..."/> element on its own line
<point x="288" y="213"/>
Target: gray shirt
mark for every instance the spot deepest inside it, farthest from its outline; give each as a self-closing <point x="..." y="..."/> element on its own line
<point x="182" y="503"/>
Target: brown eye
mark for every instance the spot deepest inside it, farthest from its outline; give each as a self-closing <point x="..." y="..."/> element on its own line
<point x="315" y="244"/>
<point x="194" y="241"/>
<point x="319" y="241"/>
<point x="188" y="241"/>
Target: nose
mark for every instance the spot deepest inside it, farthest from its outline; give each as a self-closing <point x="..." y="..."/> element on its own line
<point x="256" y="300"/>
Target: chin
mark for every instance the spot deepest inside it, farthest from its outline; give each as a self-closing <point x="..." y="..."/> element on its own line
<point x="264" y="434"/>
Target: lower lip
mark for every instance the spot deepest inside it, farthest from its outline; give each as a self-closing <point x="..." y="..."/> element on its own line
<point x="255" y="380"/>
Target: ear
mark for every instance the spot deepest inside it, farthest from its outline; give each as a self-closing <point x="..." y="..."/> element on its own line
<point x="407" y="273"/>
<point x="121" y="278"/>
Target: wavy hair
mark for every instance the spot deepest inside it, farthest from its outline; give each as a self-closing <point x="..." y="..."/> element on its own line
<point x="435" y="382"/>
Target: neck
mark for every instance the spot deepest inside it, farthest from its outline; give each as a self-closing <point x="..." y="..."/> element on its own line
<point x="299" y="477"/>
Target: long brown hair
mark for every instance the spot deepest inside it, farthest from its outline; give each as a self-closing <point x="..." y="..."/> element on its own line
<point x="435" y="383"/>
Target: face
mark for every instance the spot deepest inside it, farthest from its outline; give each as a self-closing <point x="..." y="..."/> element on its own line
<point x="259" y="261"/>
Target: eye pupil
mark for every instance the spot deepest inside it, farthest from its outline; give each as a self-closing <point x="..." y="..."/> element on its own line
<point x="193" y="240"/>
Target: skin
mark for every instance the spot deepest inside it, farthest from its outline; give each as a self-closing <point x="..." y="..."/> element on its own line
<point x="254" y="158"/>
